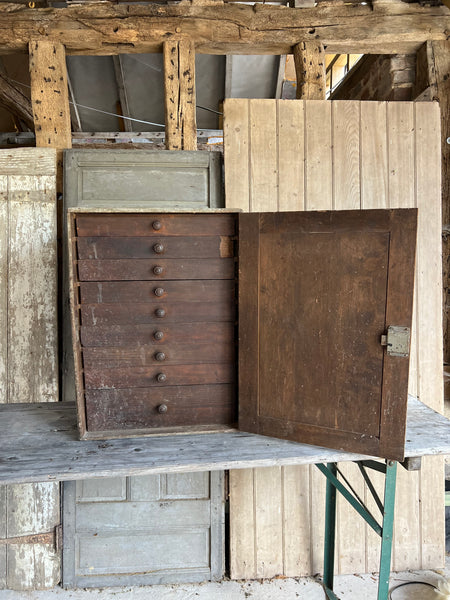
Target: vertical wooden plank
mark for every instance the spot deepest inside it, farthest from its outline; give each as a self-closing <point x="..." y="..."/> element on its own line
<point x="50" y="98"/>
<point x="179" y="95"/>
<point x="242" y="524"/>
<point x="263" y="156"/>
<point x="187" y="94"/>
<point x="430" y="377"/>
<point x="438" y="54"/>
<point x="268" y="522"/>
<point x="401" y="194"/>
<point x="374" y="174"/>
<point x="318" y="196"/>
<point x="32" y="509"/>
<point x="309" y="59"/>
<point x="4" y="286"/>
<point x="171" y="95"/>
<point x="318" y="157"/>
<point x="346" y="155"/>
<point x="32" y="313"/>
<point x="351" y="532"/>
<point x="28" y="321"/>
<point x="291" y="155"/>
<point x="296" y="521"/>
<point x="3" y="533"/>
<point x="236" y="153"/>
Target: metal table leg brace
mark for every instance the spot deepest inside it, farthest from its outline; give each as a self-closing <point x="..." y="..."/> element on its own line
<point x="385" y="530"/>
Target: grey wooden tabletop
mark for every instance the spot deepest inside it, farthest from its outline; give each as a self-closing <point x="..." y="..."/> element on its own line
<point x="39" y="442"/>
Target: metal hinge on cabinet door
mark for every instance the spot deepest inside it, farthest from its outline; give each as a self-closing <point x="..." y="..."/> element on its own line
<point x="397" y="340"/>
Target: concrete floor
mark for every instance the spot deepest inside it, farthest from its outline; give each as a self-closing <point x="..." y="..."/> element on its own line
<point x="349" y="587"/>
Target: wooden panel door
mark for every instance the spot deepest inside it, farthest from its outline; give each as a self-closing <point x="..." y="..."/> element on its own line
<point x="129" y="179"/>
<point x="322" y="155"/>
<point x="143" y="530"/>
<point x="317" y="291"/>
<point x="28" y="350"/>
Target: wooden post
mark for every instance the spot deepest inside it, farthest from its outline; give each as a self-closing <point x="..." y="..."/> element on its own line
<point x="50" y="99"/>
<point x="440" y="70"/>
<point x="179" y="92"/>
<point x="309" y="58"/>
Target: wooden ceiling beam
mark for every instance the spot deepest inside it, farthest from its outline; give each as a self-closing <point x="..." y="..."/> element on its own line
<point x="392" y="27"/>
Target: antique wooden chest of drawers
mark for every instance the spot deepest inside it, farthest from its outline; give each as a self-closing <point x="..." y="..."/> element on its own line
<point x="307" y="315"/>
<point x="154" y="321"/>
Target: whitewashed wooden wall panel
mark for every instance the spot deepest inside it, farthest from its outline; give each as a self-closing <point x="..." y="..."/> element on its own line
<point x="28" y="348"/>
<point x="314" y="155"/>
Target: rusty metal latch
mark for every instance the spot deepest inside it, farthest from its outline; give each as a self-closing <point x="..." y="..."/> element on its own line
<point x="397" y="340"/>
<point x="50" y="537"/>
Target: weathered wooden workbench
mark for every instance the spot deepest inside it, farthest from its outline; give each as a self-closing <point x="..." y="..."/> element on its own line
<point x="40" y="443"/>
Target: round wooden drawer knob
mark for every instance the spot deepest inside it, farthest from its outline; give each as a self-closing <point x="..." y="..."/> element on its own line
<point x="160" y="312"/>
<point x="158" y="335"/>
<point x="159" y="292"/>
<point x="162" y="408"/>
<point x="158" y="270"/>
<point x="156" y="225"/>
<point x="158" y="248"/>
<point x="160" y="356"/>
<point x="161" y="377"/>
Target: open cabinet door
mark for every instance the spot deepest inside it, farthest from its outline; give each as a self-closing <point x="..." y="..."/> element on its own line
<point x="319" y="295"/>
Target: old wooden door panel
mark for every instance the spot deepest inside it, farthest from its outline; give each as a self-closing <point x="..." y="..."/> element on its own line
<point x="106" y="178"/>
<point x="143" y="530"/>
<point x="363" y="148"/>
<point x="327" y="286"/>
<point x="109" y="537"/>
<point x="28" y="348"/>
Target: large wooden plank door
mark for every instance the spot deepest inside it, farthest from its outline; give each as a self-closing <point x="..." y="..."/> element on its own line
<point x="324" y="156"/>
<point x="317" y="291"/>
<point x="28" y="349"/>
<point x="140" y="530"/>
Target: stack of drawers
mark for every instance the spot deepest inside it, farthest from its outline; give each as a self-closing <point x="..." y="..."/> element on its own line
<point x="154" y="312"/>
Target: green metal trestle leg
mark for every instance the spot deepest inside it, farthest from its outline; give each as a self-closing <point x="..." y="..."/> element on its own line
<point x="385" y="530"/>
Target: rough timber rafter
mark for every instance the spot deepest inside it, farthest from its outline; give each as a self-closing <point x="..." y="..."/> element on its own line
<point x="392" y="27"/>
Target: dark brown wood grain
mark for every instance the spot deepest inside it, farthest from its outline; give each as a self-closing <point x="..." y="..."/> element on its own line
<point x="144" y="356"/>
<point x="182" y="375"/>
<point x="137" y="225"/>
<point x="142" y="269"/>
<point x="144" y="247"/>
<point x="327" y="286"/>
<point x="221" y="290"/>
<point x="176" y="333"/>
<point x="140" y="313"/>
<point x="138" y="407"/>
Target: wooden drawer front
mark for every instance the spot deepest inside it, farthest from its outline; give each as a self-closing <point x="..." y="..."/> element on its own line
<point x="150" y="247"/>
<point x="138" y="225"/>
<point x="139" y="377"/>
<point x="182" y="312"/>
<point x="160" y="355"/>
<point x="179" y="333"/>
<point x="142" y="269"/>
<point x="138" y="408"/>
<point x="164" y="291"/>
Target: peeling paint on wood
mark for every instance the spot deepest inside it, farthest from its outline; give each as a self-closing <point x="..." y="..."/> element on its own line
<point x="28" y="349"/>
